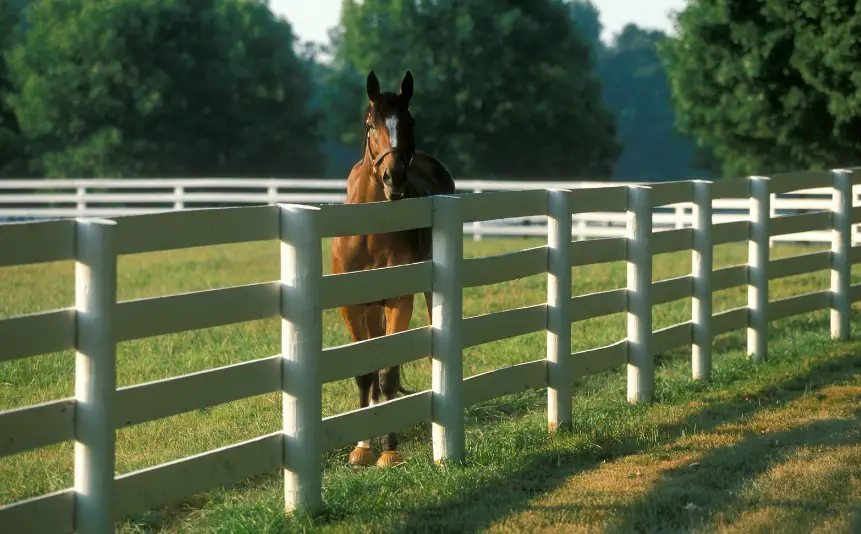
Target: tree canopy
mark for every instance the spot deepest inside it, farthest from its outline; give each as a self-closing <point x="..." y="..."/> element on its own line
<point x="637" y="90"/>
<point x="771" y="85"/>
<point x="162" y="88"/>
<point x="13" y="159"/>
<point x="587" y="22"/>
<point x="504" y="88"/>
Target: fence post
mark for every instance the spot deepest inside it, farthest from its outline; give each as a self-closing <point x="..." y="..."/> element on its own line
<point x="641" y="363"/>
<point x="772" y="212"/>
<point x="95" y="374"/>
<point x="679" y="217"/>
<point x="701" y="351"/>
<point x="179" y="200"/>
<point x="301" y="347"/>
<point x="841" y="262"/>
<point x="447" y="318"/>
<point x="559" y="374"/>
<point x="81" y="197"/>
<point x="856" y="201"/>
<point x="581" y="228"/>
<point x="757" y="284"/>
<point x="272" y="194"/>
<point x="476" y="225"/>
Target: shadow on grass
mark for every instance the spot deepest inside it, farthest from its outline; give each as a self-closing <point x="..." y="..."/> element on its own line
<point x="855" y="522"/>
<point x="684" y="496"/>
<point x="493" y="497"/>
<point x="544" y="473"/>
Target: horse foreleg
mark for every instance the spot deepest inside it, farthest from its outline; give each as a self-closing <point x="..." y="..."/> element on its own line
<point x="362" y="455"/>
<point x="398" y="314"/>
<point x="429" y="305"/>
<point x="357" y="320"/>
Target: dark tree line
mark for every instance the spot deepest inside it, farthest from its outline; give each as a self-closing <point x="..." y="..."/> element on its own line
<point x="502" y="83"/>
<point x="504" y="88"/>
<point x="152" y="88"/>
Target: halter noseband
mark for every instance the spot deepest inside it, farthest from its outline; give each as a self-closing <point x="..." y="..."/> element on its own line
<point x="383" y="154"/>
<point x="375" y="162"/>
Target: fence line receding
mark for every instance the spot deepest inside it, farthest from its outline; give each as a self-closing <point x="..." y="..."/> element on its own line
<point x="98" y="322"/>
<point x="62" y="198"/>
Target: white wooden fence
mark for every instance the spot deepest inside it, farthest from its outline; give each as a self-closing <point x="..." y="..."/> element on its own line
<point x="98" y="322"/>
<point x="42" y="199"/>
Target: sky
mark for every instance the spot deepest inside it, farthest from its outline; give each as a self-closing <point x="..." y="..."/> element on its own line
<point x="311" y="19"/>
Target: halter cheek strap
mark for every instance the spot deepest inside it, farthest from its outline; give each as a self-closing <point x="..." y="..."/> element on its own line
<point x="375" y="162"/>
<point x="383" y="154"/>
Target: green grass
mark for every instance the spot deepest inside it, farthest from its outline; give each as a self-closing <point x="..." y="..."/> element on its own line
<point x="624" y="468"/>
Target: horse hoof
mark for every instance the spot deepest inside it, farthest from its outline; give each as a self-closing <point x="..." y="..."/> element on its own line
<point x="389" y="459"/>
<point x="361" y="457"/>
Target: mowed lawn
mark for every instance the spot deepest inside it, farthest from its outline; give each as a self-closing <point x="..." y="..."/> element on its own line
<point x="773" y="447"/>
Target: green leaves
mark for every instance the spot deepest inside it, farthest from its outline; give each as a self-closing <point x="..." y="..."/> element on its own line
<point x="12" y="148"/>
<point x="771" y="85"/>
<point x="503" y="89"/>
<point x="163" y="88"/>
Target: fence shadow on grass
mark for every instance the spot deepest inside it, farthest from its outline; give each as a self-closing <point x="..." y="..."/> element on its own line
<point x="683" y="497"/>
<point x="855" y="522"/>
<point x="544" y="473"/>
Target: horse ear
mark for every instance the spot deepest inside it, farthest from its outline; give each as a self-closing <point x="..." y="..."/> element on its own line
<point x="407" y="86"/>
<point x="373" y="87"/>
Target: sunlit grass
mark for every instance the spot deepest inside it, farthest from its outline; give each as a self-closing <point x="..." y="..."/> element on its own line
<point x="512" y="463"/>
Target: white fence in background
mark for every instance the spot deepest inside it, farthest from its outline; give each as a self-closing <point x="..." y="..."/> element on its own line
<point x="45" y="199"/>
<point x="98" y="322"/>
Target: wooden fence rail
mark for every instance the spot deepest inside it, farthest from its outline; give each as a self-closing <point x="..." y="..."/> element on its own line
<point x="98" y="322"/>
<point x="62" y="198"/>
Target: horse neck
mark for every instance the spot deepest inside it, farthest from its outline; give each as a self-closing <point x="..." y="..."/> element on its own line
<point x="362" y="185"/>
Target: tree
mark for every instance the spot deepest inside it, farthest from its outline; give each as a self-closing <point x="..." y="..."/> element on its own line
<point x="636" y="88"/>
<point x="163" y="88"/>
<point x="587" y="22"/>
<point x="770" y="85"/>
<point x="504" y="88"/>
<point x="13" y="158"/>
<point x="338" y="157"/>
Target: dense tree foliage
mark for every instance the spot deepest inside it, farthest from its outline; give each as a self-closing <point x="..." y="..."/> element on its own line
<point x="771" y="85"/>
<point x="162" y="88"/>
<point x="504" y="88"/>
<point x="13" y="159"/>
<point x="587" y="22"/>
<point x="636" y="88"/>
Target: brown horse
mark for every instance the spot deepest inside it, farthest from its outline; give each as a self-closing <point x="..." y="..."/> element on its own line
<point x="390" y="169"/>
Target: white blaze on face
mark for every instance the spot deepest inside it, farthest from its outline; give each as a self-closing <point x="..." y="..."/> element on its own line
<point x="392" y="125"/>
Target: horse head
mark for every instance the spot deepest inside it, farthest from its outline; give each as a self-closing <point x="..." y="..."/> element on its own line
<point x="389" y="142"/>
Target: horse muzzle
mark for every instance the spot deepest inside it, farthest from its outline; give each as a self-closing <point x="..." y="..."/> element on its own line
<point x="394" y="183"/>
<point x="393" y="193"/>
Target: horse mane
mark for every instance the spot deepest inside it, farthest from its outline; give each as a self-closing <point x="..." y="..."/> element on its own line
<point x="365" y="140"/>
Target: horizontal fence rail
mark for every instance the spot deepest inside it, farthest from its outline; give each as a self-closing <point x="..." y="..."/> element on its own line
<point x="98" y="321"/>
<point x="596" y="207"/>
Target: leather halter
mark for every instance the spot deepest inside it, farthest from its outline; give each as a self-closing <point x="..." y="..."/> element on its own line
<point x="383" y="154"/>
<point x="375" y="162"/>
<point x="379" y="159"/>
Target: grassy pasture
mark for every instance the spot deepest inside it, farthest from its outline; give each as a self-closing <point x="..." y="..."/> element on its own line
<point x="774" y="446"/>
